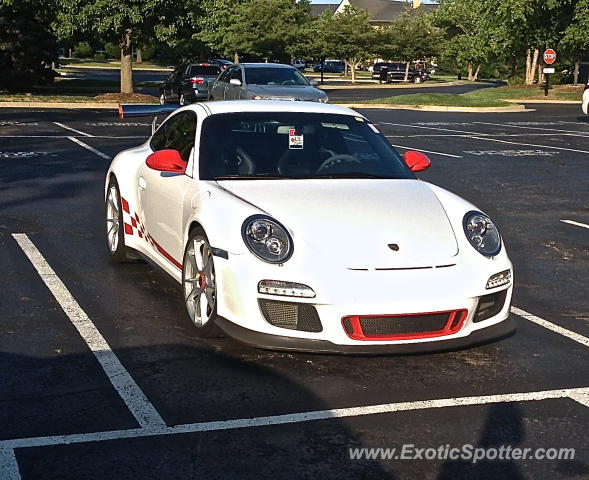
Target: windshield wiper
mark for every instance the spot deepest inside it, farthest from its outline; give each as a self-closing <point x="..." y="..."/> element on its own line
<point x="350" y="175"/>
<point x="265" y="176"/>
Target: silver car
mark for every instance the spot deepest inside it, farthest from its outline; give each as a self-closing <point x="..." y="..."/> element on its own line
<point x="265" y="81"/>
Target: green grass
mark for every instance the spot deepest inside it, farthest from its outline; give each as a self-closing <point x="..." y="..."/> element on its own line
<point x="47" y="98"/>
<point x="75" y="62"/>
<point x="486" y="97"/>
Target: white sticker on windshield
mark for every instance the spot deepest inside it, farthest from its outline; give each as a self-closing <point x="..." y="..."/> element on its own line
<point x="295" y="141"/>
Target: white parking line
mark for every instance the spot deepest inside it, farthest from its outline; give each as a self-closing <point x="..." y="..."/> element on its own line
<point x="425" y="151"/>
<point x="431" y="128"/>
<point x="72" y="129"/>
<point x="143" y="411"/>
<point x="575" y="132"/>
<point x="88" y="147"/>
<point x="551" y="326"/>
<point x="577" y="224"/>
<point x="67" y="136"/>
<point x="292" y="418"/>
<point x="8" y="464"/>
<point x="489" y="139"/>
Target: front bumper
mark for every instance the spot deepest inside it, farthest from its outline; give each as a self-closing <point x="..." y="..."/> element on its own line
<point x="277" y="342"/>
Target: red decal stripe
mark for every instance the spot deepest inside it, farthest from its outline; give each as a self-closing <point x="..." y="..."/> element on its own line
<point x="133" y="222"/>
<point x="166" y="255"/>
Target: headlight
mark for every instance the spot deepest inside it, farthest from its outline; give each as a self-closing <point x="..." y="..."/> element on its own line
<point x="482" y="233"/>
<point x="267" y="239"/>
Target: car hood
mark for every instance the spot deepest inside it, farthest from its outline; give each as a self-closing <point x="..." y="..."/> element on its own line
<point x="286" y="91"/>
<point x="355" y="221"/>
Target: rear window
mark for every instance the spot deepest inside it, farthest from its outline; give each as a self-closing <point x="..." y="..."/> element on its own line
<point x="209" y="70"/>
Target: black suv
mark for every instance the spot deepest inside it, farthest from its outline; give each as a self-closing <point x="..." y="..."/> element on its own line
<point x="396" y="73"/>
<point x="189" y="82"/>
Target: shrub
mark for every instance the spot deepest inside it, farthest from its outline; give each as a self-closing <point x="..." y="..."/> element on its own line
<point x="83" y="50"/>
<point x="112" y="50"/>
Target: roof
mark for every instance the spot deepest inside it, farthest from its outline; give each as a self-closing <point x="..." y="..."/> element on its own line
<point x="232" y="106"/>
<point x="318" y="8"/>
<point x="384" y="11"/>
<point x="265" y="65"/>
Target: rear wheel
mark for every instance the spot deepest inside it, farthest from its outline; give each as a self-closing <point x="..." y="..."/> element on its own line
<point x="115" y="236"/>
<point x="163" y="99"/>
<point x="199" y="283"/>
<point x="182" y="100"/>
<point x="417" y="79"/>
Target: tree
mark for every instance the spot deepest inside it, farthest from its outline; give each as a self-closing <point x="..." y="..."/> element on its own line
<point x="27" y="44"/>
<point x="575" y="38"/>
<point x="122" y="21"/>
<point x="263" y="28"/>
<point x="411" y="37"/>
<point x="467" y="31"/>
<point x="348" y="36"/>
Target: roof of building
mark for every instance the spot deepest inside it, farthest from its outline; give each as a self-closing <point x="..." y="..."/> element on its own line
<point x="318" y="8"/>
<point x="384" y="11"/>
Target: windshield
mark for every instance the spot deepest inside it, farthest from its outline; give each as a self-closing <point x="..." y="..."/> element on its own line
<point x="208" y="70"/>
<point x="295" y="145"/>
<point x="274" y="76"/>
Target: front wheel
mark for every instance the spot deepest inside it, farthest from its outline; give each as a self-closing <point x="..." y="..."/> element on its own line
<point x="199" y="283"/>
<point x="182" y="100"/>
<point x="416" y="79"/>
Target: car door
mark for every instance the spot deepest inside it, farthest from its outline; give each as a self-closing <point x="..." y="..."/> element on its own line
<point x="218" y="90"/>
<point x="162" y="194"/>
<point x="172" y="84"/>
<point x="233" y="92"/>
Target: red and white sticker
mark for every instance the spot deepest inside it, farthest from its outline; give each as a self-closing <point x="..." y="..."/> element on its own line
<point x="295" y="141"/>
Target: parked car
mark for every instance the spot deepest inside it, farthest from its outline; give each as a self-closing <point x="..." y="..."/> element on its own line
<point x="585" y="104"/>
<point x="396" y="72"/>
<point x="299" y="65"/>
<point x="265" y="81"/>
<point x="331" y="66"/>
<point x="298" y="226"/>
<point x="188" y="83"/>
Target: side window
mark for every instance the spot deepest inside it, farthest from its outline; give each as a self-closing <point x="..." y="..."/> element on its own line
<point x="225" y="76"/>
<point x="177" y="133"/>
<point x="236" y="73"/>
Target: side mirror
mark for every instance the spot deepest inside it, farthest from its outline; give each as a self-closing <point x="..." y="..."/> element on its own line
<point x="235" y="81"/>
<point x="313" y="83"/>
<point x="416" y="161"/>
<point x="166" y="161"/>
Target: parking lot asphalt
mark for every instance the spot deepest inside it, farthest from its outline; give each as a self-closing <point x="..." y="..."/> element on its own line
<point x="224" y="410"/>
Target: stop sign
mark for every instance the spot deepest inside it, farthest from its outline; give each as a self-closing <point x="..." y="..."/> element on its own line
<point x="549" y="56"/>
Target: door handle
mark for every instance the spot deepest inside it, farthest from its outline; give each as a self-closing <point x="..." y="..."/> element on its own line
<point x="142" y="183"/>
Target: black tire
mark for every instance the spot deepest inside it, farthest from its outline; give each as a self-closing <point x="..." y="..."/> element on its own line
<point x="113" y="212"/>
<point x="189" y="285"/>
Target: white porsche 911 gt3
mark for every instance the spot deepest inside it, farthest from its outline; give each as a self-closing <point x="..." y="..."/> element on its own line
<point x="295" y="225"/>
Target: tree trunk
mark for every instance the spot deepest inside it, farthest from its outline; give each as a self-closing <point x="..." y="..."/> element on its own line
<point x="353" y="64"/>
<point x="139" y="55"/>
<point x="126" y="63"/>
<point x="470" y="74"/>
<point x="236" y="57"/>
<point x="476" y="74"/>
<point x="528" y="66"/>
<point x="576" y="72"/>
<point x="534" y="63"/>
<point x="406" y="79"/>
<point x="540" y="74"/>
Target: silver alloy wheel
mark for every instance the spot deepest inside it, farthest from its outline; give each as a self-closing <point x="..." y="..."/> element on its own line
<point x="112" y="218"/>
<point x="200" y="290"/>
<point x="182" y="100"/>
<point x="162" y="99"/>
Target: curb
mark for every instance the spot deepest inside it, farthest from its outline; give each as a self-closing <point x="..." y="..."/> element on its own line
<point x="135" y="69"/>
<point x="548" y="102"/>
<point x="437" y="108"/>
<point x="377" y="86"/>
<point x="72" y="105"/>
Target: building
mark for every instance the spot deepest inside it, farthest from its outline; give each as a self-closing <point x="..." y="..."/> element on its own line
<point x="382" y="12"/>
